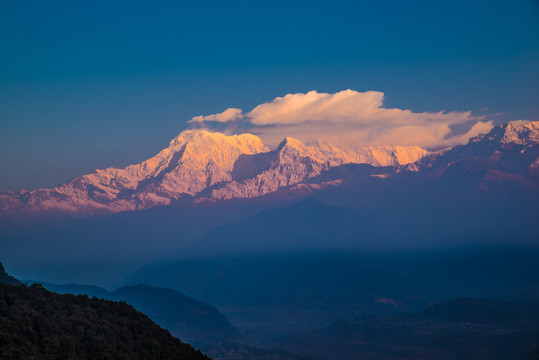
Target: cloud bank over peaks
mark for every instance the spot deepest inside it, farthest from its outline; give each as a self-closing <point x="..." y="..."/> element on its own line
<point x="349" y="118"/>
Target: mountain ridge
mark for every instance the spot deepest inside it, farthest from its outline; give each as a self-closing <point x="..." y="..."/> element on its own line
<point x="197" y="163"/>
<point x="200" y="166"/>
<point x="183" y="316"/>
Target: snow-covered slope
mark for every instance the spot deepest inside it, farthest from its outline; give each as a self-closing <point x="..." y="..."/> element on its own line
<point x="204" y="165"/>
<point x="509" y="153"/>
<point x="521" y="133"/>
<point x="192" y="161"/>
<point x="293" y="162"/>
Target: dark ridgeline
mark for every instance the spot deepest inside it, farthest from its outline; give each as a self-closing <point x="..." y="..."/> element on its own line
<point x="185" y="317"/>
<point x="37" y="323"/>
<point x="7" y="279"/>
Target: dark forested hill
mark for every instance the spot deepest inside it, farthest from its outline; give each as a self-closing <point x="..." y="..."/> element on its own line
<point x="38" y="324"/>
<point x="184" y="317"/>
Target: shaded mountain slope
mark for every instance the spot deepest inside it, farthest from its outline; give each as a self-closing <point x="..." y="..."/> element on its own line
<point x="308" y="224"/>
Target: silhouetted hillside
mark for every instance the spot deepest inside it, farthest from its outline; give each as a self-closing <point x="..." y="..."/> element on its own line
<point x="184" y="317"/>
<point x="7" y="279"/>
<point x="37" y="323"/>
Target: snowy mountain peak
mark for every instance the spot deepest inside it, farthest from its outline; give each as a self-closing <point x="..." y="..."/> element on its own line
<point x="247" y="143"/>
<point x="520" y="132"/>
<point x="291" y="142"/>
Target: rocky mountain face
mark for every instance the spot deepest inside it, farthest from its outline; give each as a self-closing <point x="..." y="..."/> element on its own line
<point x="201" y="165"/>
<point x="293" y="162"/>
<point x="509" y="153"/>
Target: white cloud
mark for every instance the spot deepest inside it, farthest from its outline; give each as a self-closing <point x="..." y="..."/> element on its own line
<point x="229" y="115"/>
<point x="352" y="118"/>
<point x="344" y="106"/>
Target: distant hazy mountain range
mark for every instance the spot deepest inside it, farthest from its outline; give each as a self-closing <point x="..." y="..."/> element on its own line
<point x="200" y="165"/>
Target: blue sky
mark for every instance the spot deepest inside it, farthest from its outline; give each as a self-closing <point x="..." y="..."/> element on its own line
<point x="87" y="85"/>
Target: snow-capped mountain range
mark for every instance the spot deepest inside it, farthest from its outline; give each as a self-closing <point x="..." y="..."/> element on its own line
<point x="202" y="166"/>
